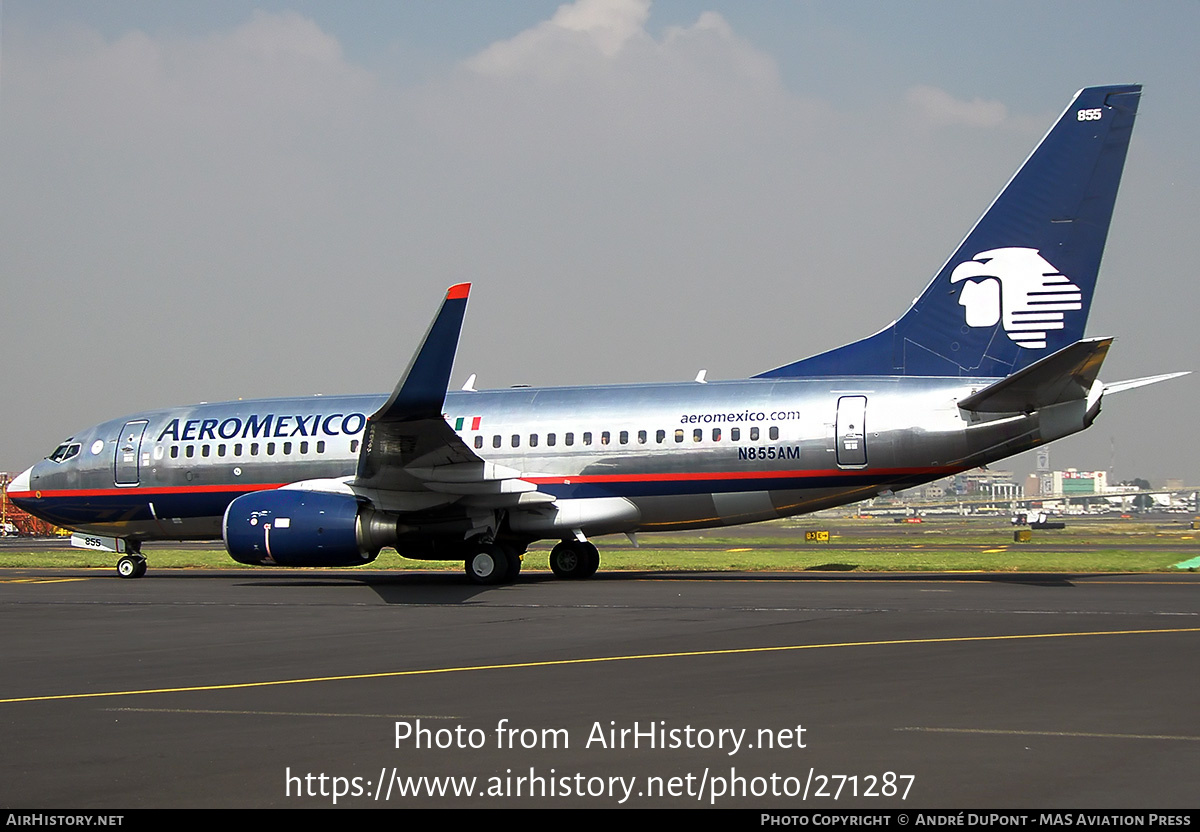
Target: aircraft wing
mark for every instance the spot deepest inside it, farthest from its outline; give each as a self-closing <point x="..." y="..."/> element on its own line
<point x="409" y="447"/>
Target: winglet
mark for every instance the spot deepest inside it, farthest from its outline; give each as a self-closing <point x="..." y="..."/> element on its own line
<point x="421" y="391"/>
<point x="409" y="430"/>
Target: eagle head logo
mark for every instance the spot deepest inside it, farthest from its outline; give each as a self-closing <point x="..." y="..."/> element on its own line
<point x="1019" y="287"/>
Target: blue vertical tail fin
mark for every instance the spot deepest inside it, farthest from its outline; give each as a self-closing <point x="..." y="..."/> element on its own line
<point x="1020" y="286"/>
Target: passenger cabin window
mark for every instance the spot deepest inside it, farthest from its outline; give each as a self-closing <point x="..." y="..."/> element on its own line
<point x="287" y="447"/>
<point x="320" y="446"/>
<point x="604" y="437"/>
<point x="550" y="439"/>
<point x="270" y="449"/>
<point x="174" y="452"/>
<point x="660" y="436"/>
<point x="478" y="441"/>
<point x="624" y="437"/>
<point x="516" y="440"/>
<point x="587" y="437"/>
<point x="353" y="446"/>
<point x="496" y="441"/>
<point x="697" y="434"/>
<point x="753" y="434"/>
<point x="679" y="434"/>
<point x="221" y="450"/>
<point x="716" y="434"/>
<point x="190" y="452"/>
<point x="641" y="437"/>
<point x="253" y="449"/>
<point x="735" y="434"/>
<point x="237" y="449"/>
<point x="569" y="438"/>
<point x="773" y="433"/>
<point x="533" y="440"/>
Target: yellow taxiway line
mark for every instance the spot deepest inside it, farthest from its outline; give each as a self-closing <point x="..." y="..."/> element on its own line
<point x="392" y="674"/>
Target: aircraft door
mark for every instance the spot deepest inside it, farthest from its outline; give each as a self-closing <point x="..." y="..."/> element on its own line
<point x="128" y="452"/>
<point x="852" y="431"/>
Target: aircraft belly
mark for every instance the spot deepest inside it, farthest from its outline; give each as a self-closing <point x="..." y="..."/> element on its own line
<point x="144" y="513"/>
<point x="683" y="511"/>
<point x="744" y="507"/>
<point x="176" y="528"/>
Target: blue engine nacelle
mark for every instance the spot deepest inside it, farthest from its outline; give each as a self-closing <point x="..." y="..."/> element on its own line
<point x="291" y="527"/>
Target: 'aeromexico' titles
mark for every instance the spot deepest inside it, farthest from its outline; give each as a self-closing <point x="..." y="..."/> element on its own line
<point x="269" y="426"/>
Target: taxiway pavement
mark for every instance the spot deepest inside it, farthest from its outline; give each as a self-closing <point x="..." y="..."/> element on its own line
<point x="267" y="688"/>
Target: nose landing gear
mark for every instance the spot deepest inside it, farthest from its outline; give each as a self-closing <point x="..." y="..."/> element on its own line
<point x="132" y="564"/>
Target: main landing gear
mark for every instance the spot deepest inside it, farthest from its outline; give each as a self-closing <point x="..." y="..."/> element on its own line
<point x="500" y="563"/>
<point x="573" y="560"/>
<point x="493" y="563"/>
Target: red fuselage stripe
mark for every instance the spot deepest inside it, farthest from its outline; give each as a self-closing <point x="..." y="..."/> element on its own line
<point x="737" y="475"/>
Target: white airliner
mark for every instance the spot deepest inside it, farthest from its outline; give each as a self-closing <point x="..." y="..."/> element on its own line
<point x="989" y="361"/>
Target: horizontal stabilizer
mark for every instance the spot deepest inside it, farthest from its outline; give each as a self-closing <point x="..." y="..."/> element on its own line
<point x="1119" y="386"/>
<point x="1065" y="376"/>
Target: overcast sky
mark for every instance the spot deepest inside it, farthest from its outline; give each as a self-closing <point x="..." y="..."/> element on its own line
<point x="206" y="201"/>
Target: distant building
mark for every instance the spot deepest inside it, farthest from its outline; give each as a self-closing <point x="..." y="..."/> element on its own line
<point x="1074" y="482"/>
<point x="936" y="490"/>
<point x="1033" y="486"/>
<point x="984" y="482"/>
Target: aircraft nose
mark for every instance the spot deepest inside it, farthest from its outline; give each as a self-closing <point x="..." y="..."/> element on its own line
<point x="19" y="487"/>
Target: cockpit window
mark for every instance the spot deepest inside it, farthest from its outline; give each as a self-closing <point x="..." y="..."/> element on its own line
<point x="64" y="452"/>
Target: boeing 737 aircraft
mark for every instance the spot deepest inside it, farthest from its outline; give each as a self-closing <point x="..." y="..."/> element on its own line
<point x="989" y="361"/>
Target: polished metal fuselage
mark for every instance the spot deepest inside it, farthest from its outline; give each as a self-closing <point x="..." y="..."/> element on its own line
<point x="687" y="455"/>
